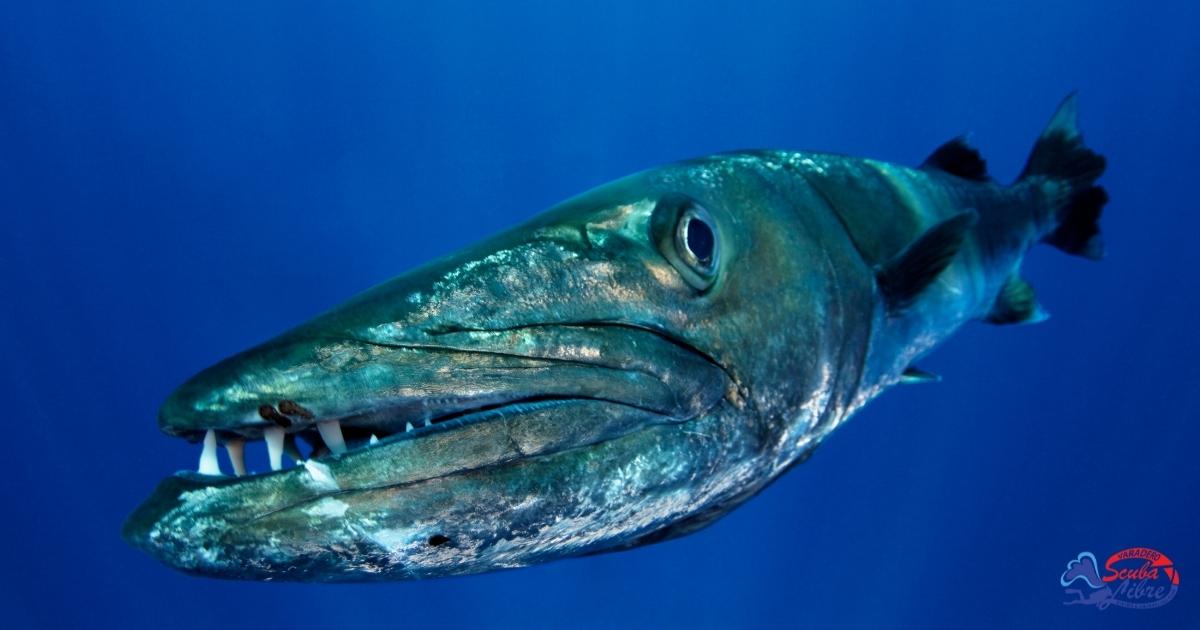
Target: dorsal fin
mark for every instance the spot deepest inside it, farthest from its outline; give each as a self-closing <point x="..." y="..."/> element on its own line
<point x="909" y="272"/>
<point x="1016" y="304"/>
<point x="958" y="158"/>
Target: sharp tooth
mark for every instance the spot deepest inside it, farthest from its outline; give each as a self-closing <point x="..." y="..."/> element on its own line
<point x="208" y="457"/>
<point x="274" y="438"/>
<point x="407" y="427"/>
<point x="331" y="432"/>
<point x="373" y="440"/>
<point x="236" y="449"/>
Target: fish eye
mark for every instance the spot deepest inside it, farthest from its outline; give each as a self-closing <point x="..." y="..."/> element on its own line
<point x="695" y="239"/>
<point x="688" y="237"/>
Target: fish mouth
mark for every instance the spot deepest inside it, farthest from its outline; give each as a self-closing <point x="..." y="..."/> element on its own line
<point x="350" y="394"/>
<point x="442" y="404"/>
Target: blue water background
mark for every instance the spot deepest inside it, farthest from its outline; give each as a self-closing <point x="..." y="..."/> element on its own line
<point x="181" y="180"/>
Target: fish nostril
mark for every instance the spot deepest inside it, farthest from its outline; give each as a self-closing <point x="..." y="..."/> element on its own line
<point x="267" y="412"/>
<point x="437" y="540"/>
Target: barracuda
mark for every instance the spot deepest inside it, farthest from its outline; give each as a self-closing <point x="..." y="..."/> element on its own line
<point x="624" y="368"/>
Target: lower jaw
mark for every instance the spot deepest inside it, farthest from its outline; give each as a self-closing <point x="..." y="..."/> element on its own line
<point x="613" y="494"/>
<point x="397" y="461"/>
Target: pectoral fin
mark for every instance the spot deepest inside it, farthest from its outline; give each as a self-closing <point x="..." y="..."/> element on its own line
<point x="902" y="279"/>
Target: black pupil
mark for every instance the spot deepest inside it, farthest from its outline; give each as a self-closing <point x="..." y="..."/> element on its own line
<point x="700" y="240"/>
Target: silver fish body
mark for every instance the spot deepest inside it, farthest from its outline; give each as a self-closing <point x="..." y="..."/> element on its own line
<point x="624" y="368"/>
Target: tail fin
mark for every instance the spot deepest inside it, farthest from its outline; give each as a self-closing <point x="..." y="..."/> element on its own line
<point x="1061" y="157"/>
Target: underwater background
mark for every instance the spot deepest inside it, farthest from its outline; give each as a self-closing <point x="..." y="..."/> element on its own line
<point x="181" y="180"/>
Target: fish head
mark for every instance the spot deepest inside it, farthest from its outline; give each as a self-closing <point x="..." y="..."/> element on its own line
<point x="620" y="369"/>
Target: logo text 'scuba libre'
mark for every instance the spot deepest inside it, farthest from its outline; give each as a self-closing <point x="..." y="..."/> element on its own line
<point x="1138" y="577"/>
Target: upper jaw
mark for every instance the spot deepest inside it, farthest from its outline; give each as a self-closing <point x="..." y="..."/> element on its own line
<point x="339" y="394"/>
